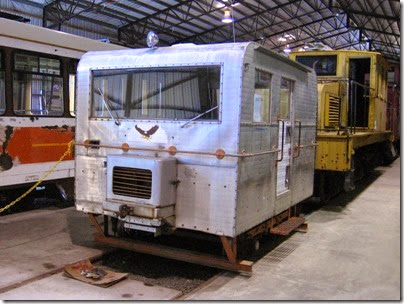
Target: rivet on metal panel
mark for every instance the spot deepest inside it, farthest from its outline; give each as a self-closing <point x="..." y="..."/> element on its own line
<point x="172" y="150"/>
<point x="220" y="153"/>
<point x="125" y="147"/>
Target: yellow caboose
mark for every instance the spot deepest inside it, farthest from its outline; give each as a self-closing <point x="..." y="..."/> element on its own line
<point x="351" y="119"/>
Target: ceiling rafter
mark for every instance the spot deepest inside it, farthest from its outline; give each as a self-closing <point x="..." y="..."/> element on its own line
<point x="372" y="23"/>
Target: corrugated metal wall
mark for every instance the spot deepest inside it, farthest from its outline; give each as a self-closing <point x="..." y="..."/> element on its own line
<point x="74" y="26"/>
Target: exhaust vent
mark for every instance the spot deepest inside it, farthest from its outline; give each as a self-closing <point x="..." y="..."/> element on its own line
<point x="333" y="110"/>
<point x="132" y="182"/>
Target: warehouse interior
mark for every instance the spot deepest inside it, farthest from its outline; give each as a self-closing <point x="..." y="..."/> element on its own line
<point x="340" y="244"/>
<point x="279" y="25"/>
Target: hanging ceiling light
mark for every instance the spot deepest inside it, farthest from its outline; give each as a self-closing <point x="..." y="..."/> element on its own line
<point x="220" y="5"/>
<point x="287" y="49"/>
<point x="227" y="16"/>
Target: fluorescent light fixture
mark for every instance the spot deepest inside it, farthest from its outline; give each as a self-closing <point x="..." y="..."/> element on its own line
<point x="282" y="39"/>
<point x="227" y="16"/>
<point x="287" y="49"/>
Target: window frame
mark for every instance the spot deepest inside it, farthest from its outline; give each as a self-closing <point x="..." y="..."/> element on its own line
<point x="61" y="75"/>
<point x="3" y="69"/>
<point x="269" y="122"/>
<point x="72" y="71"/>
<point x="292" y="88"/>
<point x="323" y="56"/>
<point x="159" y="120"/>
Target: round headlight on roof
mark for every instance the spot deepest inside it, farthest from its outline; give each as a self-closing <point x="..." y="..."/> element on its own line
<point x="152" y="39"/>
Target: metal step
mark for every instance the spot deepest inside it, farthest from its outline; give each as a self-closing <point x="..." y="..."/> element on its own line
<point x="288" y="226"/>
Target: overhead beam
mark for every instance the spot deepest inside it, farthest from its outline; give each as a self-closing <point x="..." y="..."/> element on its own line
<point x="373" y="15"/>
<point x="216" y="28"/>
<point x="27" y="2"/>
<point x="85" y="6"/>
<point x="376" y="31"/>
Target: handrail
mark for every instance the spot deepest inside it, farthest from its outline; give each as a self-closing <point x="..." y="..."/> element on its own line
<point x="172" y="150"/>
<point x="347" y="80"/>
<point x="300" y="134"/>
<point x="353" y="102"/>
<point x="283" y="138"/>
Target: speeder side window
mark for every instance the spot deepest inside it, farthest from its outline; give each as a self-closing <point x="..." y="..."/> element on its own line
<point x="262" y="96"/>
<point x="2" y="87"/>
<point x="173" y="93"/>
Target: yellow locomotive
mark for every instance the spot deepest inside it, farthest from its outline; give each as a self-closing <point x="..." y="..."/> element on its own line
<point x="351" y="122"/>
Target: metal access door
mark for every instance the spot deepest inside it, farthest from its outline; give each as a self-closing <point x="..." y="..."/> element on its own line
<point x="284" y="173"/>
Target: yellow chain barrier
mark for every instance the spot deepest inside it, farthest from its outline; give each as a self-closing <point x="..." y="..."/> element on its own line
<point x="68" y="151"/>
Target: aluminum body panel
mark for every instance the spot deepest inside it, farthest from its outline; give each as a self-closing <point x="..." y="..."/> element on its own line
<point x="219" y="196"/>
<point x="257" y="199"/>
<point x="207" y="195"/>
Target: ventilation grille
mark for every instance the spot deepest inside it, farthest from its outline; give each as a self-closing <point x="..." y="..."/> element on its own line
<point x="333" y="110"/>
<point x="132" y="182"/>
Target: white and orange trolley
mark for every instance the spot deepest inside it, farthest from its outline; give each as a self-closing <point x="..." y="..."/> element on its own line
<point x="37" y="89"/>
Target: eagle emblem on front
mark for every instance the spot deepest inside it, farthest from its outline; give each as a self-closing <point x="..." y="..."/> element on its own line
<point x="147" y="134"/>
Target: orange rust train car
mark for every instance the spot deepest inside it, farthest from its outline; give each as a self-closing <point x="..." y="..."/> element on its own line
<point x="37" y="121"/>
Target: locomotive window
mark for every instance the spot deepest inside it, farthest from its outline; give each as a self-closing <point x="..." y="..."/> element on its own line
<point x="262" y="96"/>
<point x="323" y="65"/>
<point x="37" y="88"/>
<point x="284" y="98"/>
<point x="175" y="93"/>
<point x="2" y="88"/>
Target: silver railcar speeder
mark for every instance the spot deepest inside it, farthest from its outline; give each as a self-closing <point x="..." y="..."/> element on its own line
<point x="210" y="138"/>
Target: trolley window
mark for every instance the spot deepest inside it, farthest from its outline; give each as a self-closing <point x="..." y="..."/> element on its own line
<point x="37" y="86"/>
<point x="262" y="96"/>
<point x="2" y="87"/>
<point x="72" y="86"/>
<point x="174" y="93"/>
<point x="323" y="65"/>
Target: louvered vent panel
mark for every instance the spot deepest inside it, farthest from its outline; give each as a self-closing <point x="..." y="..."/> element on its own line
<point x="333" y="110"/>
<point x="133" y="182"/>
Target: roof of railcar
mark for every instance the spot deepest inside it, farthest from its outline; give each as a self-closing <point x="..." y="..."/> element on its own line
<point x="33" y="33"/>
<point x="200" y="49"/>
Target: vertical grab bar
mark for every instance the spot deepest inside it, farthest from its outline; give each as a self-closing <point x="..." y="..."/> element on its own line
<point x="283" y="138"/>
<point x="350" y="104"/>
<point x="300" y="134"/>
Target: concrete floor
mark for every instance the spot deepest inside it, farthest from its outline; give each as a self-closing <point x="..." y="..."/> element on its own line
<point x="35" y="246"/>
<point x="58" y="287"/>
<point x="38" y="242"/>
<point x="351" y="252"/>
